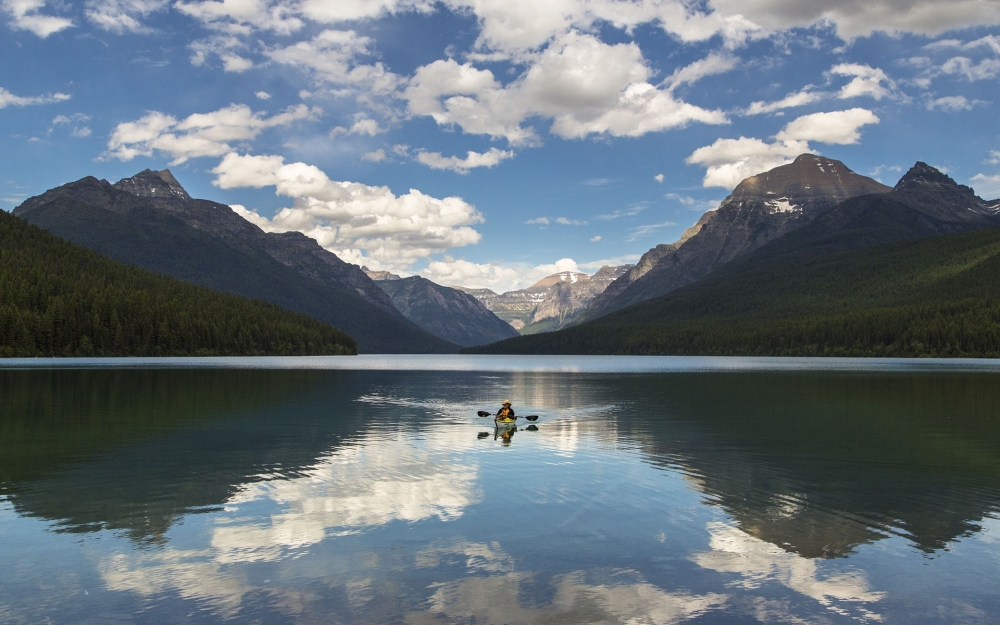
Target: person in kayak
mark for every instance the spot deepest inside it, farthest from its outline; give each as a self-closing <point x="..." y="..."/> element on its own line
<point x="505" y="412"/>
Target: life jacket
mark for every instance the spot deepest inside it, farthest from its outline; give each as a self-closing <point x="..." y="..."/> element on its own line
<point x="505" y="412"/>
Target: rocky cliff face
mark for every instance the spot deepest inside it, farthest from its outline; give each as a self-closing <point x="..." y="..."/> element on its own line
<point x="550" y="303"/>
<point x="759" y="210"/>
<point x="449" y="313"/>
<point x="150" y="221"/>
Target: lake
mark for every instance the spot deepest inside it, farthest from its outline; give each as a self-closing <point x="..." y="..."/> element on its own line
<point x="366" y="490"/>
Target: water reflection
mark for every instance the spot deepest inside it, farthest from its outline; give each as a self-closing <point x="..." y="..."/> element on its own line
<point x="376" y="497"/>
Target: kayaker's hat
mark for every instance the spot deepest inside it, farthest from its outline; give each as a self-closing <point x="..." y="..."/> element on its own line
<point x="505" y="402"/>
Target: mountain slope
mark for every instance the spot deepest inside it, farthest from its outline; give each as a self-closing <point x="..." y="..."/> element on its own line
<point x="150" y="222"/>
<point x="59" y="299"/>
<point x="760" y="209"/>
<point x="445" y="312"/>
<point x="826" y="290"/>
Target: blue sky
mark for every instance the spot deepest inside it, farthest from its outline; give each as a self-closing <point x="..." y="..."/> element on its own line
<point x="490" y="142"/>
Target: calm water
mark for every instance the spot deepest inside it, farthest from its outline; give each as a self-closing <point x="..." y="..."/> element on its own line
<point x="364" y="490"/>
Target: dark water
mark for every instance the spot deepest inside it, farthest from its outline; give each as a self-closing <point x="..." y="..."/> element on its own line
<point x="717" y="493"/>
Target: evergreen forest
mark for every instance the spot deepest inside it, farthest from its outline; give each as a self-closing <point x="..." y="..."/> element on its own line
<point x="934" y="297"/>
<point x="58" y="299"/>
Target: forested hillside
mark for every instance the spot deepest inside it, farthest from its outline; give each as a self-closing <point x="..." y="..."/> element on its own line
<point x="58" y="299"/>
<point x="937" y="296"/>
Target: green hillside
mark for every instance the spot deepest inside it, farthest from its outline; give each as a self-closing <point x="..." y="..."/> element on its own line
<point x="58" y="299"/>
<point x="937" y="296"/>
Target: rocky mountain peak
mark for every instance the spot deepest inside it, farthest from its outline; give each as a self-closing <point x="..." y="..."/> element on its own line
<point x="160" y="185"/>
<point x="380" y="275"/>
<point x="787" y="187"/>
<point x="556" y="278"/>
<point x="923" y="176"/>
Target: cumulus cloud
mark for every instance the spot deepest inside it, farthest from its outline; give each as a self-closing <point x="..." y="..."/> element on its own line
<point x="493" y="157"/>
<point x="729" y="161"/>
<point x="837" y="127"/>
<point x="77" y="123"/>
<point x="331" y="56"/>
<point x="582" y="84"/>
<point x="121" y="16"/>
<point x="243" y="16"/>
<point x="360" y="223"/>
<point x="966" y="68"/>
<point x="26" y="15"/>
<point x="658" y="177"/>
<point x="227" y="48"/>
<point x="9" y="99"/>
<point x="201" y="134"/>
<point x="866" y="81"/>
<point x="858" y="18"/>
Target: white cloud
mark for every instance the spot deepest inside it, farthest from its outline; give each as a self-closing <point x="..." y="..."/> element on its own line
<point x="360" y="223"/>
<point x="658" y="178"/>
<point x="227" y="48"/>
<point x="867" y="81"/>
<point x="991" y="42"/>
<point x="953" y="103"/>
<point x="624" y="212"/>
<point x="331" y="56"/>
<point x="711" y="65"/>
<point x="242" y="16"/>
<point x="366" y="126"/>
<point x="858" y="18"/>
<point x="837" y="127"/>
<point x="493" y="157"/>
<point x="263" y="95"/>
<point x="582" y="84"/>
<point x="374" y="157"/>
<point x="729" y="161"/>
<point x="994" y="157"/>
<point x="24" y="15"/>
<point x="9" y="99"/>
<point x="78" y="122"/>
<point x="595" y="239"/>
<point x="800" y="98"/>
<point x="964" y="67"/>
<point x="757" y="562"/>
<point x="987" y="186"/>
<point x="201" y="134"/>
<point x="121" y="16"/>
<point x="501" y="276"/>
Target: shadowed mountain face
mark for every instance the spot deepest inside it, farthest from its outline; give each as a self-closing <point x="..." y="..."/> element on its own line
<point x="151" y="222"/>
<point x="911" y="272"/>
<point x="760" y="209"/>
<point x="448" y="313"/>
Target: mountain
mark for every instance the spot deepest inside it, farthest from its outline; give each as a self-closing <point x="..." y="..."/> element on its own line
<point x="760" y="209"/>
<point x="60" y="299"/>
<point x="552" y="302"/>
<point x="150" y="221"/>
<point x="911" y="272"/>
<point x="445" y="312"/>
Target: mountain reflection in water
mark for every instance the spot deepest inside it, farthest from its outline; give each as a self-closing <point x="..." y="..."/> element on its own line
<point x="372" y="496"/>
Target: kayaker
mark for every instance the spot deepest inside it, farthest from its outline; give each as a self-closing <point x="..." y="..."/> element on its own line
<point x="505" y="411"/>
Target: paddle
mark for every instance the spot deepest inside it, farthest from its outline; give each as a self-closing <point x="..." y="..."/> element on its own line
<point x="531" y="417"/>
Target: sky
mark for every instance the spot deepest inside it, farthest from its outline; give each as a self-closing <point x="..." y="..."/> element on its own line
<point x="488" y="143"/>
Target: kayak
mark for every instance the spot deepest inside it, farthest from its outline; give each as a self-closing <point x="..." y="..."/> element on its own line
<point x="505" y="422"/>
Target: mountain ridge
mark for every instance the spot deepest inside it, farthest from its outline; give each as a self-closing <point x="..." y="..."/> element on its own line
<point x="207" y="243"/>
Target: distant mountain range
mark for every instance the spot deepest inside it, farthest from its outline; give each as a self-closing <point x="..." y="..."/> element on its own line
<point x="891" y="273"/>
<point x="150" y="221"/>
<point x="443" y="311"/>
<point x="552" y="302"/>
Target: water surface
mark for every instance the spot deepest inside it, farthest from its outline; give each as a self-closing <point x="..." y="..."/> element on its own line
<point x="364" y="490"/>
